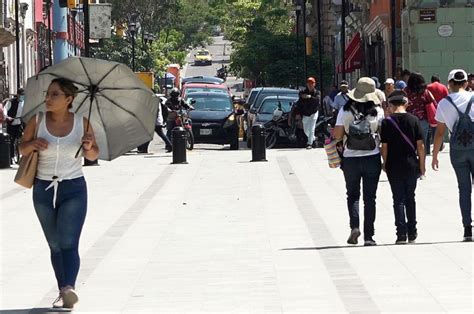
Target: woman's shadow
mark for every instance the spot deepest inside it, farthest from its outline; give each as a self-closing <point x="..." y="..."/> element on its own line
<point x="36" y="311"/>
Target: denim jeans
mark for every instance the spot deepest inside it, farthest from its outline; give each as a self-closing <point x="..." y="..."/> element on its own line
<point x="404" y="205"/>
<point x="368" y="170"/>
<point x="62" y="225"/>
<point x="161" y="134"/>
<point x="463" y="164"/>
<point x="170" y="125"/>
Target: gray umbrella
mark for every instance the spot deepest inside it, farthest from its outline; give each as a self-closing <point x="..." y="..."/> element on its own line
<point x="121" y="108"/>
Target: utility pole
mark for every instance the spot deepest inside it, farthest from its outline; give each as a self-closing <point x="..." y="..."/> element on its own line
<point x="343" y="40"/>
<point x="305" y="59"/>
<point x="87" y="45"/>
<point x="74" y="14"/>
<point x="320" y="49"/>
<point x="393" y="22"/>
<point x="17" y="42"/>
<point x="298" y="12"/>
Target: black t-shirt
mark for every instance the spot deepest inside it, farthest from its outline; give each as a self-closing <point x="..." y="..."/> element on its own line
<point x="401" y="159"/>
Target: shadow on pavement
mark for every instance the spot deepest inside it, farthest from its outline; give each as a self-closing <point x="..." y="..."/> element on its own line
<point x="35" y="311"/>
<point x="361" y="246"/>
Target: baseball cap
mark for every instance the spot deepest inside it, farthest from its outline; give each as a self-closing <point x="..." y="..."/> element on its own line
<point x="311" y="79"/>
<point x="457" y="75"/>
<point x="400" y="84"/>
<point x="389" y="81"/>
<point x="344" y="84"/>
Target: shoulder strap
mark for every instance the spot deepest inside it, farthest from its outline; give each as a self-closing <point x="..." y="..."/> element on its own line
<point x="39" y="117"/>
<point x="450" y="100"/>
<point x="405" y="137"/>
<point x="469" y="105"/>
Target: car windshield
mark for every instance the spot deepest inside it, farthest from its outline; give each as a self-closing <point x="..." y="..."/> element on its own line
<point x="263" y="95"/>
<point x="270" y="105"/>
<point x="211" y="103"/>
<point x="205" y="90"/>
<point x="252" y="96"/>
<point x="202" y="53"/>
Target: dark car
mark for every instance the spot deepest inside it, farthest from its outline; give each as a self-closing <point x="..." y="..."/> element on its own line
<point x="262" y="94"/>
<point x="202" y="79"/>
<point x="270" y="104"/>
<point x="214" y="119"/>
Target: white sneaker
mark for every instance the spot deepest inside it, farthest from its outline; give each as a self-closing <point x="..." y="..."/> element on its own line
<point x="69" y="297"/>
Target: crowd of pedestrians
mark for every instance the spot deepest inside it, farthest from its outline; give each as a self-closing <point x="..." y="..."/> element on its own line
<point x="392" y="131"/>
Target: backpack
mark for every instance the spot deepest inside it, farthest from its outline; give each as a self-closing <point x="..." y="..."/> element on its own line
<point x="360" y="135"/>
<point x="462" y="136"/>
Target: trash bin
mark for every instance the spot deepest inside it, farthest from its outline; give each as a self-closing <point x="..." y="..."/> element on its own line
<point x="4" y="150"/>
<point x="180" y="138"/>
<point x="258" y="143"/>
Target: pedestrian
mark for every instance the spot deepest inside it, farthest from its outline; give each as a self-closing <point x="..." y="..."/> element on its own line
<point x="470" y="82"/>
<point x="422" y="105"/>
<point x="307" y="107"/>
<point x="174" y="104"/>
<point x="341" y="98"/>
<point x="456" y="113"/>
<point x="12" y="111"/>
<point x="159" y="124"/>
<point x="358" y="127"/>
<point x="389" y="88"/>
<point x="438" y="90"/>
<point x="404" y="161"/>
<point x="378" y="91"/>
<point x="402" y="82"/>
<point x="59" y="190"/>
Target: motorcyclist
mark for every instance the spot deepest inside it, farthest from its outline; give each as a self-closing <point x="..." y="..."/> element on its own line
<point x="222" y="72"/>
<point x="174" y="104"/>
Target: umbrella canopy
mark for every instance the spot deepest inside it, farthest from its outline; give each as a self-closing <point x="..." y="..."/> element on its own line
<point x="121" y="108"/>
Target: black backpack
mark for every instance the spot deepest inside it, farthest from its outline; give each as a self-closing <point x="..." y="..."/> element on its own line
<point x="360" y="135"/>
<point x="462" y="137"/>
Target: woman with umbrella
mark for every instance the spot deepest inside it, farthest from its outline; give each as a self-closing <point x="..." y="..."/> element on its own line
<point x="59" y="190"/>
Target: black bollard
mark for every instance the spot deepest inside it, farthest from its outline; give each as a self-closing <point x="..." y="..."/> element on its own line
<point x="4" y="150"/>
<point x="179" y="145"/>
<point x="258" y="143"/>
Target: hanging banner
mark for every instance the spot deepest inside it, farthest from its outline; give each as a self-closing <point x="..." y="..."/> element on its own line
<point x="100" y="20"/>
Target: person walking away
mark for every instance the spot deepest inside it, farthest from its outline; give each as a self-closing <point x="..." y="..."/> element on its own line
<point x="174" y="104"/>
<point x="438" y="90"/>
<point x="456" y="113"/>
<point x="358" y="126"/>
<point x="12" y="111"/>
<point x="59" y="190"/>
<point x="160" y="118"/>
<point x="404" y="161"/>
<point x="308" y="106"/>
<point x="389" y="88"/>
<point x="420" y="100"/>
<point x="341" y="98"/>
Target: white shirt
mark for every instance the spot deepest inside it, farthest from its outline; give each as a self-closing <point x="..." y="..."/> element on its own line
<point x="339" y="101"/>
<point x="7" y="107"/>
<point x="345" y="118"/>
<point x="447" y="114"/>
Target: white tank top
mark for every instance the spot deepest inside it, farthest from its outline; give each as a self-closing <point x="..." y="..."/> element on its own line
<point x="58" y="161"/>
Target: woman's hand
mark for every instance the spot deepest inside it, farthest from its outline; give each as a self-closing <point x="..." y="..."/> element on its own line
<point x="39" y="144"/>
<point x="435" y="163"/>
<point x="87" y="141"/>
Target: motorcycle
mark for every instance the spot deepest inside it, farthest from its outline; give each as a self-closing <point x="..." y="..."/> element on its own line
<point x="183" y="120"/>
<point x="222" y="73"/>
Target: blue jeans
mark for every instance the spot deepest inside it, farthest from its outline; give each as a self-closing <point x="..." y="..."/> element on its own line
<point x="404" y="205"/>
<point x="425" y="129"/>
<point x="368" y="170"/>
<point x="463" y="164"/>
<point x="62" y="225"/>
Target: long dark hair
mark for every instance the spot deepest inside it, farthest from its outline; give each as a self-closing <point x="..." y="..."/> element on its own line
<point x="366" y="108"/>
<point x="68" y="88"/>
<point x="416" y="83"/>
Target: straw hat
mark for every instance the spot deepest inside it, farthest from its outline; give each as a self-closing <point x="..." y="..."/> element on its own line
<point x="364" y="91"/>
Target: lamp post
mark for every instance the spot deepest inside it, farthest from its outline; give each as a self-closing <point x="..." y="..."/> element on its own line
<point x="132" y="29"/>
<point x="320" y="49"/>
<point x="17" y="42"/>
<point x="305" y="57"/>
<point x="343" y="40"/>
<point x="393" y="8"/>
<point x="74" y="14"/>
<point x="298" y="12"/>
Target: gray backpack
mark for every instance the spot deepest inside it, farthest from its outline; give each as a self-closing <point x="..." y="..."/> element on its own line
<point x="360" y="135"/>
<point x="462" y="137"/>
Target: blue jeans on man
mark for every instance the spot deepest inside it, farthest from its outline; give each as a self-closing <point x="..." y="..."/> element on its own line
<point x="463" y="164"/>
<point x="366" y="169"/>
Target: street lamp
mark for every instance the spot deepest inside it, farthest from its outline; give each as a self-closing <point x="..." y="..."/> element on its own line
<point x="298" y="12"/>
<point x="132" y="29"/>
<point x="73" y="14"/>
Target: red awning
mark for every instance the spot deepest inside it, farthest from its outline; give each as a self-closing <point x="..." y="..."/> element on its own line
<point x="353" y="55"/>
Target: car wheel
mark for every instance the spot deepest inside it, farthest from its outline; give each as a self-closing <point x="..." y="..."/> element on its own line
<point x="189" y="140"/>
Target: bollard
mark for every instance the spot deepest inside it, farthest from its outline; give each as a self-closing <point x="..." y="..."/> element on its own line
<point x="4" y="150"/>
<point x="179" y="145"/>
<point x="258" y="143"/>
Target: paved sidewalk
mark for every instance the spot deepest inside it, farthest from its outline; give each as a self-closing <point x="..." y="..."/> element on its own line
<point x="225" y="235"/>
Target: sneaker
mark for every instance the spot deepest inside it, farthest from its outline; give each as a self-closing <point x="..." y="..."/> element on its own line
<point x="69" y="297"/>
<point x="308" y="146"/>
<point x="369" y="242"/>
<point x="467" y="234"/>
<point x="401" y="239"/>
<point x="58" y="303"/>
<point x="412" y="237"/>
<point x="423" y="177"/>
<point x="355" y="233"/>
<point x="315" y="145"/>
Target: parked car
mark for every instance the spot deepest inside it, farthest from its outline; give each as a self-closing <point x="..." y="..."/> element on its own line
<point x="270" y="104"/>
<point x="262" y="94"/>
<point x="204" y="88"/>
<point x="202" y="57"/>
<point x="214" y="119"/>
<point x="202" y="79"/>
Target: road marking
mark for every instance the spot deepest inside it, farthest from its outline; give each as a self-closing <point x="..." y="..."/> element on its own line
<point x="349" y="286"/>
<point x="102" y="247"/>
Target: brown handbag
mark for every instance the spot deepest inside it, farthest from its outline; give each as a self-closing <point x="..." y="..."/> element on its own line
<point x="26" y="173"/>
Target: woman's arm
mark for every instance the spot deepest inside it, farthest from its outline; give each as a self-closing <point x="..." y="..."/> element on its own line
<point x="28" y="142"/>
<point x="420" y="148"/>
<point x="90" y="149"/>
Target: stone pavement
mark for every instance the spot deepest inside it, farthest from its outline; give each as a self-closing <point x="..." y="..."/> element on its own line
<point x="225" y="235"/>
